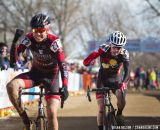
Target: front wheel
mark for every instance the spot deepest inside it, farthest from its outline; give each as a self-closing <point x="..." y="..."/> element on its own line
<point x="41" y="124"/>
<point x="110" y="121"/>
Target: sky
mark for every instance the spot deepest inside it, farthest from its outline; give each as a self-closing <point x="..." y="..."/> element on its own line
<point x="136" y="11"/>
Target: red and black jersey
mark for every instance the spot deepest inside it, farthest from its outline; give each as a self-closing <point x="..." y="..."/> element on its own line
<point x="110" y="66"/>
<point x="48" y="56"/>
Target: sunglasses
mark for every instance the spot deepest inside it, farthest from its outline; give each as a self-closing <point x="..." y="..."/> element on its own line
<point x="39" y="30"/>
<point x="117" y="48"/>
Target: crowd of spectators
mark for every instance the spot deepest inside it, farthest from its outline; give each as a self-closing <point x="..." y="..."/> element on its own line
<point x="23" y="62"/>
<point x="4" y="59"/>
<point x="144" y="79"/>
<point x="140" y="78"/>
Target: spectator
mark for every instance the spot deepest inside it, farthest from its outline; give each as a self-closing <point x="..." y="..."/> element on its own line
<point x="137" y="77"/>
<point x="152" y="78"/>
<point x="142" y="78"/>
<point x="147" y="79"/>
<point x="4" y="61"/>
<point x="157" y="75"/>
<point x="132" y="80"/>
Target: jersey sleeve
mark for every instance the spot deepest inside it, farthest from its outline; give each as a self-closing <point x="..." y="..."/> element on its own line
<point x="125" y="65"/>
<point x="92" y="56"/>
<point x="25" y="41"/>
<point x="125" y="55"/>
<point x="21" y="47"/>
<point x="56" y="47"/>
<point x="126" y="71"/>
<point x="63" y="66"/>
<point x="104" y="47"/>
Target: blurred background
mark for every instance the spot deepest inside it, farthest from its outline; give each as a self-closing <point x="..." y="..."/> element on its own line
<point x="84" y="24"/>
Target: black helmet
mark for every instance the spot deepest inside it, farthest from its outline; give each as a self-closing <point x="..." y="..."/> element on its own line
<point x="39" y="20"/>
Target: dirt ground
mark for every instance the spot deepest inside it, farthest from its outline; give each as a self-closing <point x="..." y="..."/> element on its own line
<point x="142" y="111"/>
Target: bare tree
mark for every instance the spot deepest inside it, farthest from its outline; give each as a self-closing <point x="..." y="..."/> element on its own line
<point x="75" y="21"/>
<point x="17" y="14"/>
<point x="149" y="12"/>
<point x="102" y="19"/>
<point x="65" y="12"/>
<point x="154" y="6"/>
<point x="67" y="17"/>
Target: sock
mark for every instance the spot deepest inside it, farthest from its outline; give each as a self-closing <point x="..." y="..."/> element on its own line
<point x="100" y="127"/>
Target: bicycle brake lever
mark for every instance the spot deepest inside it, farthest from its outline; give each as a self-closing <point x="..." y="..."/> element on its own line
<point x="89" y="97"/>
<point x="88" y="94"/>
<point x="62" y="103"/>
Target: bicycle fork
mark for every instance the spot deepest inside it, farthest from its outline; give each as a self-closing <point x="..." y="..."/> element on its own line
<point x="109" y="113"/>
<point x="41" y="121"/>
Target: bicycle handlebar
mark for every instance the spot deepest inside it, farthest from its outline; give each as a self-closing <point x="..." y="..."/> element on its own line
<point x="103" y="89"/>
<point x="39" y="93"/>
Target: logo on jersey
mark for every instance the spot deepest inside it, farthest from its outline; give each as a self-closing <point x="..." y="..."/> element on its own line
<point x="56" y="45"/>
<point x="26" y="41"/>
<point x="112" y="63"/>
<point x="105" y="66"/>
<point x="40" y="51"/>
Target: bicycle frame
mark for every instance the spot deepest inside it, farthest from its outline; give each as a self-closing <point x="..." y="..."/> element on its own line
<point x="109" y="112"/>
<point x="41" y="120"/>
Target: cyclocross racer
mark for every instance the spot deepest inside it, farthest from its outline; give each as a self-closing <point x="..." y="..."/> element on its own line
<point x="48" y="60"/>
<point x="112" y="57"/>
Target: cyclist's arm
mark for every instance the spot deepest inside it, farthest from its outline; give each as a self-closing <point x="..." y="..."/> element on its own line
<point x="25" y="43"/>
<point x="57" y="49"/>
<point x="126" y="71"/>
<point x="125" y="66"/>
<point x="19" y="50"/>
<point x="87" y="61"/>
<point x="63" y="67"/>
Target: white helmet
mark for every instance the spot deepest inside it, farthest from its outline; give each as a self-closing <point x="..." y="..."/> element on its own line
<point x="117" y="39"/>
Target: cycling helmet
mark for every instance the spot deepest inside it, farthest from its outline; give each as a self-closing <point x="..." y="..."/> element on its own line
<point x="117" y="39"/>
<point x="39" y="20"/>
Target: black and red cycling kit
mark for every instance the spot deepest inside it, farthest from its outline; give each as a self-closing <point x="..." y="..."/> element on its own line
<point x="110" y="66"/>
<point x="48" y="60"/>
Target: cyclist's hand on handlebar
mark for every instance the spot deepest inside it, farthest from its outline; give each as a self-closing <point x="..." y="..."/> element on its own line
<point x="64" y="92"/>
<point x="123" y="86"/>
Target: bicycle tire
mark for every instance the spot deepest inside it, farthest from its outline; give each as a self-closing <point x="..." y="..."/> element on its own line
<point x="42" y="124"/>
<point x="110" y="121"/>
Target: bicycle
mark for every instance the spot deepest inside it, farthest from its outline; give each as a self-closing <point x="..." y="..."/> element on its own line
<point x="41" y="120"/>
<point x="109" y="117"/>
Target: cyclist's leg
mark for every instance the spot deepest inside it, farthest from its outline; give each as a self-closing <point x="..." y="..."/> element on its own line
<point x="20" y="81"/>
<point x="100" y="103"/>
<point x="52" y="108"/>
<point x="53" y="101"/>
<point x="120" y="104"/>
<point x="120" y="101"/>
<point x="100" y="112"/>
